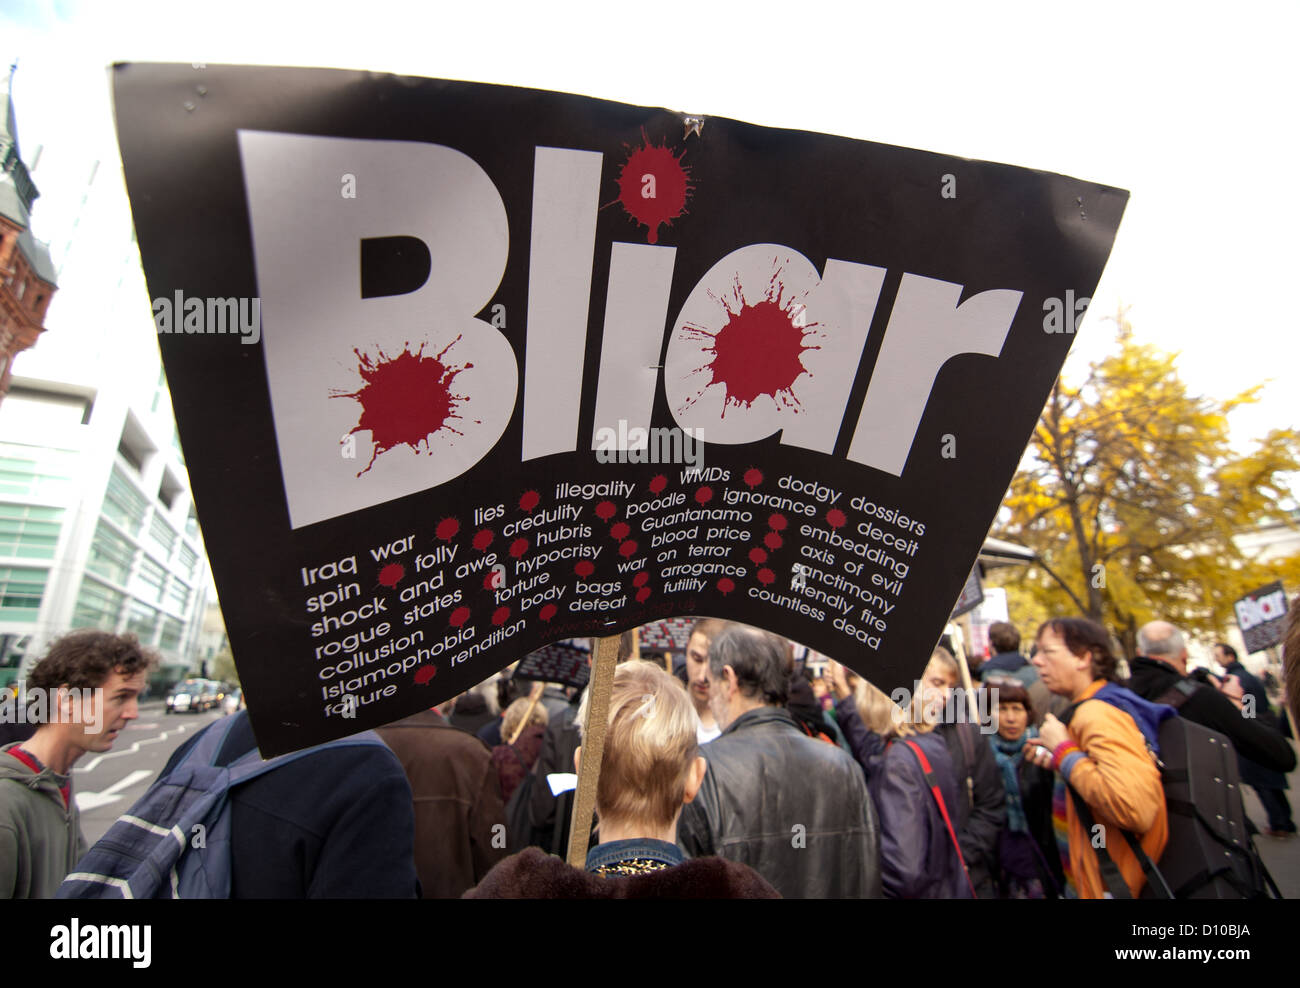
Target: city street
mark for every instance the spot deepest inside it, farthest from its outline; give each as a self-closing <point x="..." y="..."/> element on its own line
<point x="107" y="784"/>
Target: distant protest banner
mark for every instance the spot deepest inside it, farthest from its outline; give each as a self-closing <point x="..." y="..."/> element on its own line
<point x="558" y="663"/>
<point x="462" y="370"/>
<point x="1261" y="616"/>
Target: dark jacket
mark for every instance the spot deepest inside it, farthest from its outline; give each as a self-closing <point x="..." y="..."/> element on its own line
<point x="793" y="809"/>
<point x="1252" y="773"/>
<point x="915" y="863"/>
<point x="471" y="713"/>
<point x="333" y="825"/>
<point x="533" y="874"/>
<point x="457" y="799"/>
<point x="981" y="802"/>
<point x="1153" y="678"/>
<point x="917" y="857"/>
<point x="1034" y="790"/>
<point x="550" y="815"/>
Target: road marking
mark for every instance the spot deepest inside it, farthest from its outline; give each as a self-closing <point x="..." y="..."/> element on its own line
<point x="91" y="800"/>
<point x="90" y="765"/>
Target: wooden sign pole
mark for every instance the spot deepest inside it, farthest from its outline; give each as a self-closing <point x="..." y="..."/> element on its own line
<point x="600" y="686"/>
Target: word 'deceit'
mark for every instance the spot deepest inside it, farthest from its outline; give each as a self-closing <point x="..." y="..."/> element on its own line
<point x="221" y="316"/>
<point x="642" y="445"/>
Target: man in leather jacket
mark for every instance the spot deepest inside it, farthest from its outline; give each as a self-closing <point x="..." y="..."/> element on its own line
<point x="794" y="809"/>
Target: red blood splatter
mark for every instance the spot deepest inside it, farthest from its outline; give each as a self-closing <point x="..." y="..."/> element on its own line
<point x="518" y="547"/>
<point x="447" y="529"/>
<point x="641" y="579"/>
<point x="642" y="594"/>
<point x="777" y="523"/>
<point x="726" y="585"/>
<point x="483" y="538"/>
<point x="391" y="575"/>
<point x="620" y="530"/>
<point x="657" y="483"/>
<point x="704" y="495"/>
<point x="606" y="510"/>
<point x="489" y="580"/>
<point x="654" y="186"/>
<point x="773" y="541"/>
<point x="458" y="617"/>
<point x="753" y="477"/>
<point x="405" y="400"/>
<point x="547" y="612"/>
<point x="760" y="348"/>
<point x="628" y="548"/>
<point x="425" y="673"/>
<point x="835" y="518"/>
<point x="757" y="556"/>
<point x="584" y="568"/>
<point x="500" y="615"/>
<point x="528" y="500"/>
<point x="765" y="576"/>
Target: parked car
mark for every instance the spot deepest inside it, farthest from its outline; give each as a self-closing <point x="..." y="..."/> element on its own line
<point x="196" y="695"/>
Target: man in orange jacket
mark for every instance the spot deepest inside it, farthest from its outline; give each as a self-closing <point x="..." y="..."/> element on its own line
<point x="1105" y="755"/>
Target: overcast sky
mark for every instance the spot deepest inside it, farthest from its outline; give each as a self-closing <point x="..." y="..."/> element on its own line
<point x="1190" y="107"/>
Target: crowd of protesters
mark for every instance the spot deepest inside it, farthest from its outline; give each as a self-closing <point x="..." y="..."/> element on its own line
<point x="736" y="772"/>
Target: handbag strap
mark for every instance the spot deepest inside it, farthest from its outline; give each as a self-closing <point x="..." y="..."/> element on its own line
<point x="1110" y="873"/>
<point x="933" y="783"/>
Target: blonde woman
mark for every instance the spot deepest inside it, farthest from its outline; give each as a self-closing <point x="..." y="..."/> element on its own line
<point x="521" y="742"/>
<point x="910" y="778"/>
<point x="651" y="767"/>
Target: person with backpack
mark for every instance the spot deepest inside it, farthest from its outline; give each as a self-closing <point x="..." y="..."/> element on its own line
<point x="650" y="768"/>
<point x="980" y="813"/>
<point x="910" y="777"/>
<point x="1159" y="673"/>
<point x="334" y="821"/>
<point x="1028" y="865"/>
<point x="1103" y="750"/>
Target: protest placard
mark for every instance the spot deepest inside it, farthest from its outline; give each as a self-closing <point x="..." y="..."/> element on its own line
<point x="460" y="370"/>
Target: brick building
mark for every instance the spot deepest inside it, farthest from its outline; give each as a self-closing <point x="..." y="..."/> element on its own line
<point x="27" y="277"/>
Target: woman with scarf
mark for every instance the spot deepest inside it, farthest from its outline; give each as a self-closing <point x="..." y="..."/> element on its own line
<point x="1029" y="866"/>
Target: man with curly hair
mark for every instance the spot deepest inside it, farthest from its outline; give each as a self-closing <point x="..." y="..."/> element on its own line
<point x="83" y="694"/>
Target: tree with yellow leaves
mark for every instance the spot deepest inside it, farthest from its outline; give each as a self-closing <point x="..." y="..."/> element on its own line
<point x="1131" y="495"/>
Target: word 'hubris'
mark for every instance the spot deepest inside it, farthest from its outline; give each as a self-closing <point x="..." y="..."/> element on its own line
<point x="641" y="445"/>
<point x="41" y="706"/>
<point x="236" y="316"/>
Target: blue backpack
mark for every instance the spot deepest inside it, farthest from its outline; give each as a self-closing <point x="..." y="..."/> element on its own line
<point x="174" y="843"/>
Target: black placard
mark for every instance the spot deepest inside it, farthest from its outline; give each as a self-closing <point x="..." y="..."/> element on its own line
<point x="401" y="463"/>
